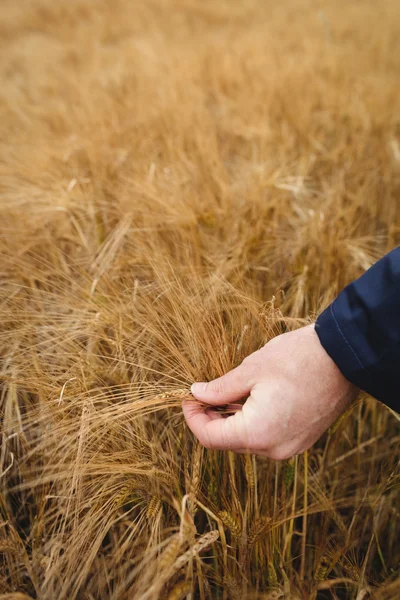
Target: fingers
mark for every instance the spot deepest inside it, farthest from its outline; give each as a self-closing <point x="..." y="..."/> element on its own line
<point x="226" y="389"/>
<point x="214" y="431"/>
<point x="231" y="433"/>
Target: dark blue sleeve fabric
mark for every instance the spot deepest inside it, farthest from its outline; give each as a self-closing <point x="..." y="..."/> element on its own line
<point x="360" y="331"/>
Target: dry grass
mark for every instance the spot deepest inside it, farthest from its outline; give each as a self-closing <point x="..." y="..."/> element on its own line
<point x="180" y="181"/>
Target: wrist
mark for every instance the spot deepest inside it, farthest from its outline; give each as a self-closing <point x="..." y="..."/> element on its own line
<point x="331" y="369"/>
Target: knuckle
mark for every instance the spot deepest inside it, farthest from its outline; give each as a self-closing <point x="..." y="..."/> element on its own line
<point x="216" y="386"/>
<point x="206" y="444"/>
<point x="250" y="361"/>
<point x="251" y="367"/>
<point x="209" y="441"/>
<point x="204" y="439"/>
<point x="226" y="435"/>
<point x="279" y="454"/>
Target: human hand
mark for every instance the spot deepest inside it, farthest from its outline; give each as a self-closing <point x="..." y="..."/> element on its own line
<point x="295" y="392"/>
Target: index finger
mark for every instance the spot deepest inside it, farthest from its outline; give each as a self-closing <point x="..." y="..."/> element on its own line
<point x="213" y="430"/>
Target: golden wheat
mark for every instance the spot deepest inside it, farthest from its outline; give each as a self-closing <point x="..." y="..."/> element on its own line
<point x="231" y="523"/>
<point x="181" y="181"/>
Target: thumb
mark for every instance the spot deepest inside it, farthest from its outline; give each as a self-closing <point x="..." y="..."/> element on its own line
<point x="230" y="387"/>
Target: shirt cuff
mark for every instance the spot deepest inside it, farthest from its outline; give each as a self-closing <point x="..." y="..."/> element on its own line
<point x="339" y="348"/>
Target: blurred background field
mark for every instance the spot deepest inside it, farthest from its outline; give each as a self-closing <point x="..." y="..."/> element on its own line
<point x="181" y="180"/>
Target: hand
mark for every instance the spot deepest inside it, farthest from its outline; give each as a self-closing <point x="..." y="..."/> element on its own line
<point x="295" y="392"/>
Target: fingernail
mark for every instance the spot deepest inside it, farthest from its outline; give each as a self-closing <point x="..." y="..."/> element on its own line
<point x="198" y="387"/>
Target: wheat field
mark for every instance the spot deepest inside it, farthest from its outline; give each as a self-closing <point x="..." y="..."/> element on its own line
<point x="180" y="181"/>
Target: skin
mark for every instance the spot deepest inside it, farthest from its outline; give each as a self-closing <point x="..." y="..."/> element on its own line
<point x="294" y="393"/>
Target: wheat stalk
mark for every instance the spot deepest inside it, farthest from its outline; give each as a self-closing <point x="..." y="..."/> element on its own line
<point x="231" y="523"/>
<point x="258" y="528"/>
<point x="154" y="508"/>
<point x="201" y="544"/>
<point x="180" y="590"/>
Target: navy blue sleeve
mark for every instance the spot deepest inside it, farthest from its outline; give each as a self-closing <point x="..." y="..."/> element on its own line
<point x="360" y="331"/>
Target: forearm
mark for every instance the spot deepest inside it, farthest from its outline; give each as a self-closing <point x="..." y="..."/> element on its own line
<point x="360" y="330"/>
